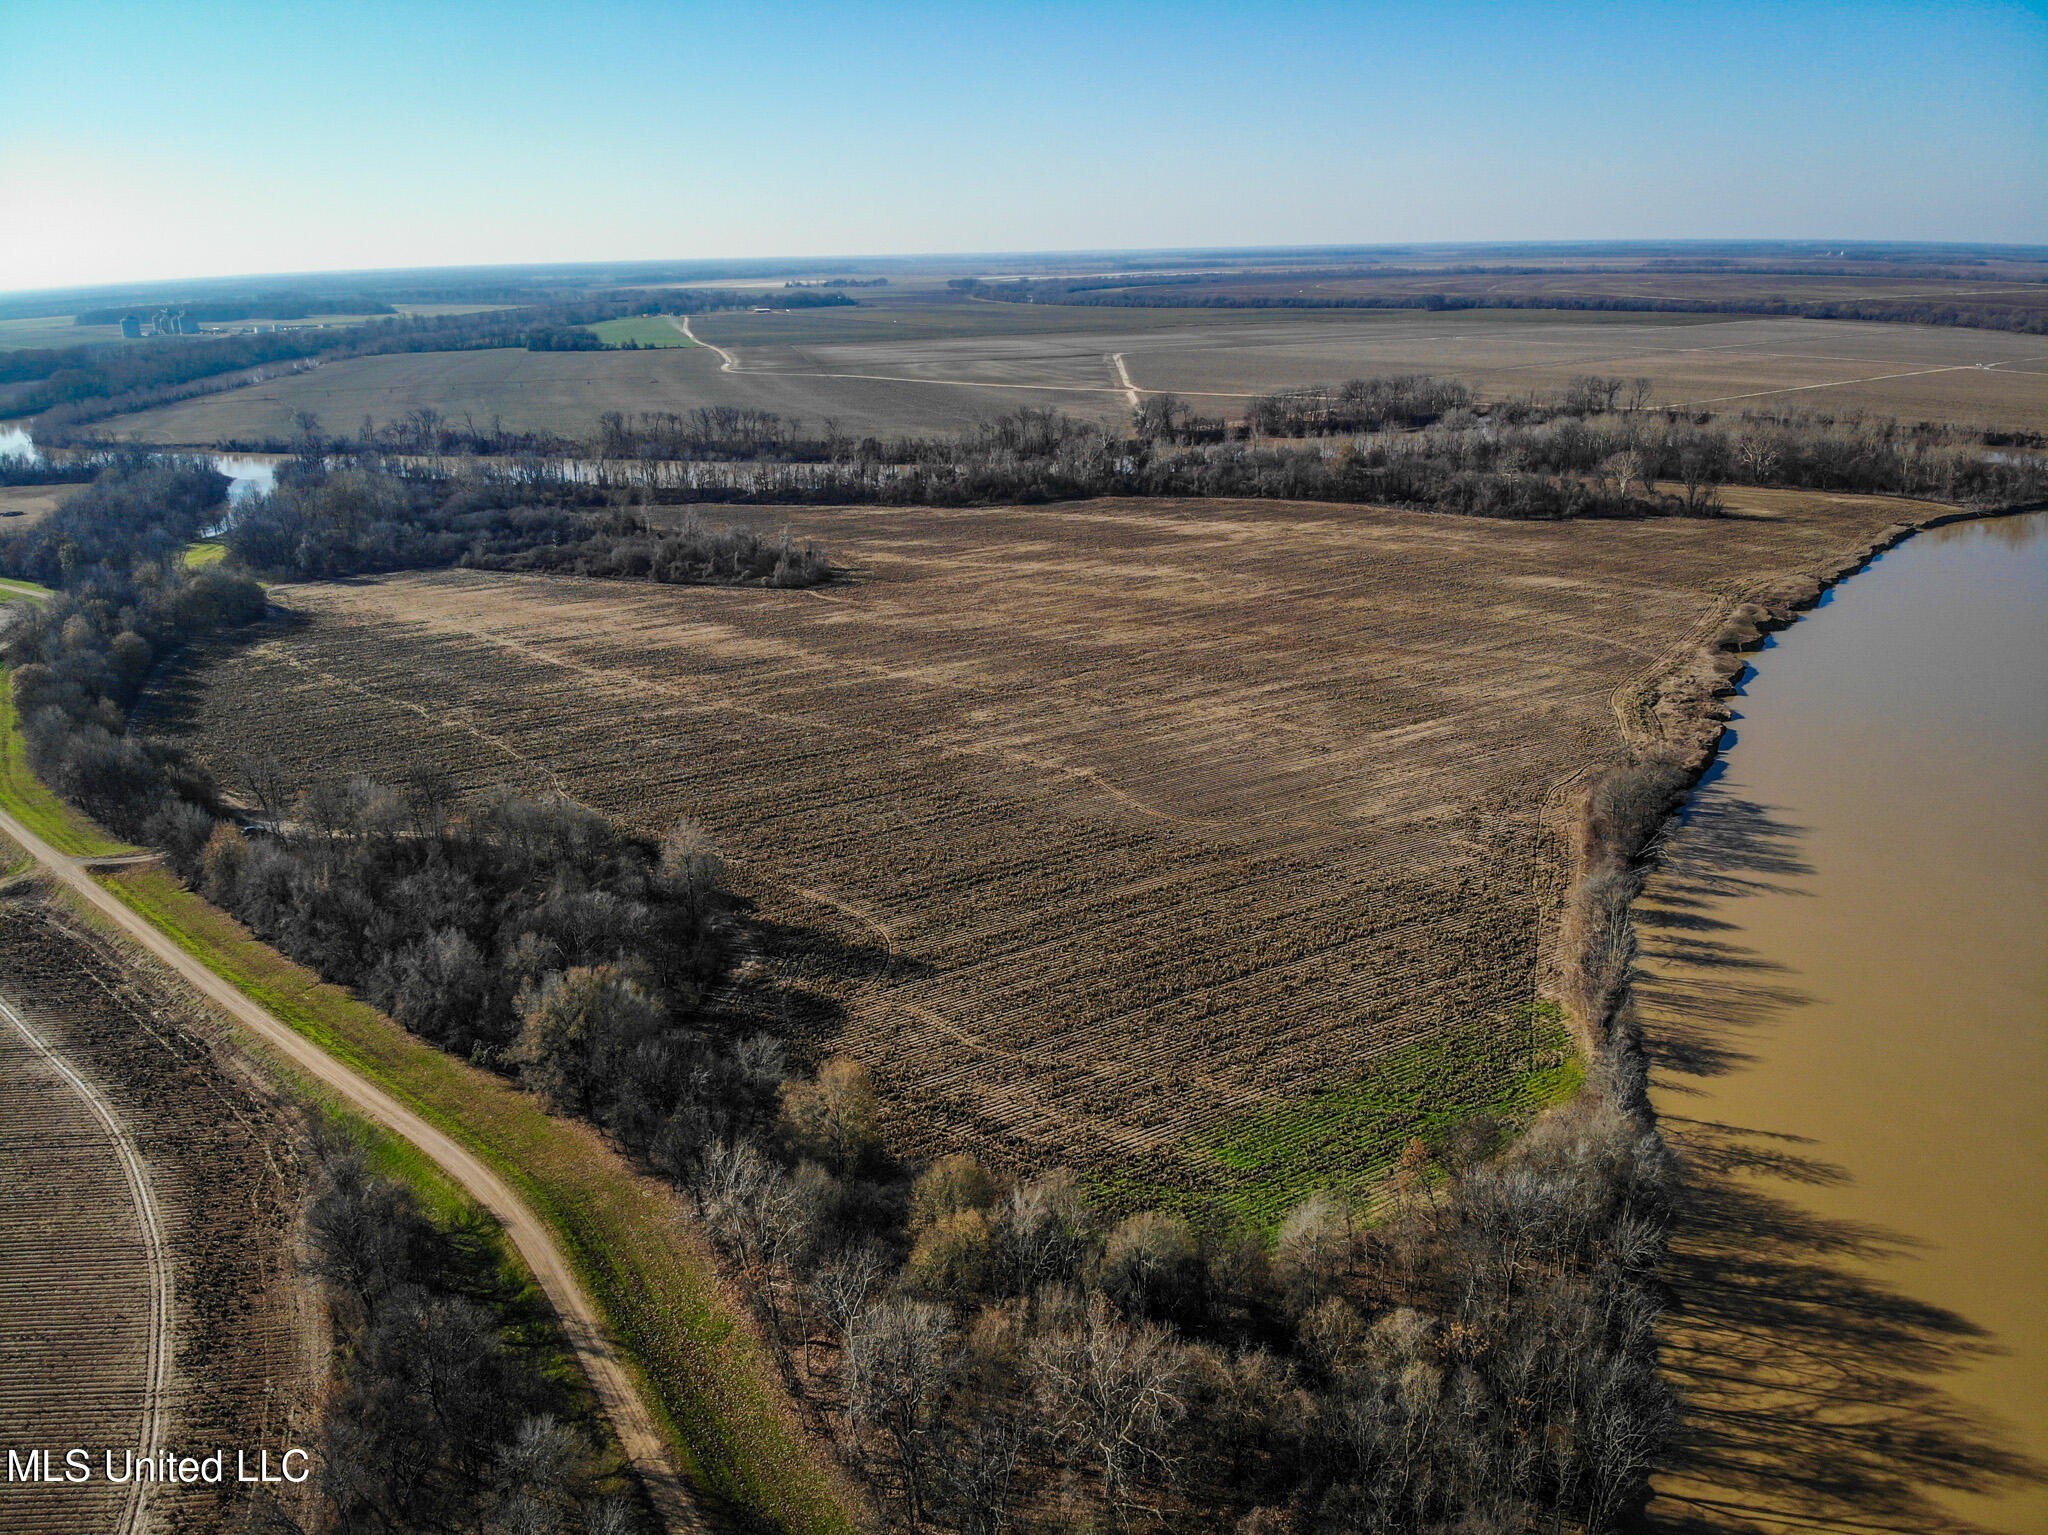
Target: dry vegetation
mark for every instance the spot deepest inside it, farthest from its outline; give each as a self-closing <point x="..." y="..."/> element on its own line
<point x="27" y="505"/>
<point x="1205" y="846"/>
<point x="246" y="1343"/>
<point x="908" y="363"/>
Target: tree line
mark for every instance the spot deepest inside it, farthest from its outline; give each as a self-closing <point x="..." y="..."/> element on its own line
<point x="80" y="659"/>
<point x="1594" y="448"/>
<point x="1519" y="459"/>
<point x="1172" y="293"/>
<point x="280" y="306"/>
<point x="69" y="387"/>
<point x="324" y="521"/>
<point x="449" y="1409"/>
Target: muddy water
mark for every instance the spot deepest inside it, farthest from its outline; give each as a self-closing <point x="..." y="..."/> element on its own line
<point x="1846" y="994"/>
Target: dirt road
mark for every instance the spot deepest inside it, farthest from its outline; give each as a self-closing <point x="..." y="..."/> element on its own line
<point x="638" y="1435"/>
<point x="728" y="363"/>
<point x="1124" y="380"/>
<point x="1124" y="386"/>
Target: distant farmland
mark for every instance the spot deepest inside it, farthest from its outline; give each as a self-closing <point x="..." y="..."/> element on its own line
<point x="1209" y="847"/>
<point x="923" y="362"/>
<point x="643" y="330"/>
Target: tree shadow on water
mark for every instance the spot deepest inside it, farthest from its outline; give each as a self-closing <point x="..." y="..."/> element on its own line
<point x="1814" y="1389"/>
<point x="1702" y="994"/>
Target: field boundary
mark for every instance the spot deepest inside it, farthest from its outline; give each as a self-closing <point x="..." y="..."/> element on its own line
<point x="683" y="1379"/>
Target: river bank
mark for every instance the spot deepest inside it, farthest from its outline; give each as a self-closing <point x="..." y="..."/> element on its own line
<point x="1843" y="996"/>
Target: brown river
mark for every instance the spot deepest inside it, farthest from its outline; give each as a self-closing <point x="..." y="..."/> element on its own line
<point x="1846" y="996"/>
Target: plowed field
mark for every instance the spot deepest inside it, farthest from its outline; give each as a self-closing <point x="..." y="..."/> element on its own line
<point x="1210" y="846"/>
<point x="150" y="1294"/>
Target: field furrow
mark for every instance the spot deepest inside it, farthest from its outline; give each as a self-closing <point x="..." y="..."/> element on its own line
<point x="1096" y="826"/>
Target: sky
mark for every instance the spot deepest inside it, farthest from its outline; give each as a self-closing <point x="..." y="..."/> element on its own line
<point x="142" y="141"/>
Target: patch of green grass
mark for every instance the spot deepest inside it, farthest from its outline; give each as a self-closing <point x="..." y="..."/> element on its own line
<point x="207" y="551"/>
<point x="1350" y="1136"/>
<point x="713" y="1386"/>
<point x="647" y="329"/>
<point x="24" y="796"/>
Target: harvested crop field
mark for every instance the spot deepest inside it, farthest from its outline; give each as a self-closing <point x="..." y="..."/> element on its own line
<point x="1208" y="846"/>
<point x="150" y="1296"/>
<point x="910" y="364"/>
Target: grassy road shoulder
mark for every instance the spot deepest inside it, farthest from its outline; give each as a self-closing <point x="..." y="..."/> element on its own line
<point x="711" y="1382"/>
<point x="23" y="794"/>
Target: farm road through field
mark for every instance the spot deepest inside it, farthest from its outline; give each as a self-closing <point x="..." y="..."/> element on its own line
<point x="640" y="1439"/>
<point x="870" y="370"/>
<point x="1100" y="825"/>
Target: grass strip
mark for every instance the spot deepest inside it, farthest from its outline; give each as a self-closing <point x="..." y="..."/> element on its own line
<point x="23" y="794"/>
<point x="713" y="1386"/>
<point x="1348" y="1138"/>
<point x="496" y="1277"/>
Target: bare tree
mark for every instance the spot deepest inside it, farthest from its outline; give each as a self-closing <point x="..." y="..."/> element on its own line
<point x="980" y="1469"/>
<point x="848" y="1287"/>
<point x="1046" y="1232"/>
<point x="1702" y="485"/>
<point x="1115" y="1394"/>
<point x="1757" y="454"/>
<point x="897" y="1365"/>
<point x="753" y="1210"/>
<point x="268" y="784"/>
<point x="1311" y="1250"/>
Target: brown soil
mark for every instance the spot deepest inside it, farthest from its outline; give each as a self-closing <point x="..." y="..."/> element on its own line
<point x="1099" y="824"/>
<point x="248" y="1345"/>
<point x="901" y="366"/>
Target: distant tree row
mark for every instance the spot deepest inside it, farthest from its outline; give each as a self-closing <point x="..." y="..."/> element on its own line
<point x="69" y="387"/>
<point x="280" y="306"/>
<point x="1131" y="294"/>
<point x="1521" y="459"/>
<point x="1595" y="448"/>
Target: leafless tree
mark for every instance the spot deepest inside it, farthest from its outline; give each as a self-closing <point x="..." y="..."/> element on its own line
<point x="1758" y="455"/>
<point x="1311" y="1250"/>
<point x="752" y="1208"/>
<point x="268" y="783"/>
<point x="1046" y="1232"/>
<point x="897" y="1364"/>
<point x="1114" y="1393"/>
<point x="980" y="1469"/>
<point x="847" y="1287"/>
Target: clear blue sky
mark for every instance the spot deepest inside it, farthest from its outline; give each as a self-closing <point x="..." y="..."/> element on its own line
<point x="162" y="140"/>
